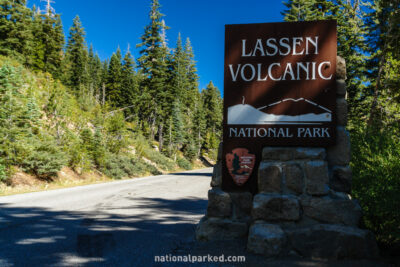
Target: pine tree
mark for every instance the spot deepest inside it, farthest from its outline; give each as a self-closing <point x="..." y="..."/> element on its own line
<point x="38" y="54"/>
<point x="383" y="22"/>
<point x="130" y="88"/>
<point x="18" y="117"/>
<point x="192" y="76"/>
<point x="179" y="84"/>
<point x="154" y="68"/>
<point x="177" y="127"/>
<point x="16" y="38"/>
<point x="76" y="56"/>
<point x="199" y="123"/>
<point x="212" y="107"/>
<point x="48" y="39"/>
<point x="351" y="45"/>
<point x="103" y="81"/>
<point x="95" y="73"/>
<point x="299" y="10"/>
<point x="191" y="95"/>
<point x="114" y="80"/>
<point x="179" y="77"/>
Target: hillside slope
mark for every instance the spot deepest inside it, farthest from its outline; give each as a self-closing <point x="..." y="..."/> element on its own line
<point x="44" y="128"/>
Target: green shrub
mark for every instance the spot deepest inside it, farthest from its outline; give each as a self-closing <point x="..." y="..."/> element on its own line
<point x="45" y="160"/>
<point x="190" y="151"/>
<point x="184" y="163"/>
<point x="3" y="172"/>
<point x="98" y="149"/>
<point x="162" y="161"/>
<point x="116" y="132"/>
<point x="79" y="157"/>
<point x="149" y="168"/>
<point x="376" y="181"/>
<point x="141" y="145"/>
<point x="120" y="166"/>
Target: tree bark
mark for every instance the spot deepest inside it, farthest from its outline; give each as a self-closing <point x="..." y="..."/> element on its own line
<point x="382" y="62"/>
<point x="103" y="100"/>
<point x="152" y="128"/>
<point x="160" y="136"/>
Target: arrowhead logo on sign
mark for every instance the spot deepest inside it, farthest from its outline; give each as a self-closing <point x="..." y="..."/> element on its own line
<point x="240" y="165"/>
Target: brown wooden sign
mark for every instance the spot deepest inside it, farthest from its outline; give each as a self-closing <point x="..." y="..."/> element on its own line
<point x="279" y="90"/>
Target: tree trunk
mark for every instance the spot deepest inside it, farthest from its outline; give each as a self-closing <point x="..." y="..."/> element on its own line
<point x="382" y="62"/>
<point x="160" y="136"/>
<point x="374" y="105"/>
<point x="199" y="144"/>
<point x="170" y="139"/>
<point x="152" y="128"/>
<point x="103" y="101"/>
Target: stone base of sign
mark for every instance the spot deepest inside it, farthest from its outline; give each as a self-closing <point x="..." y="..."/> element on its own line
<point x="302" y="207"/>
<point x="310" y="211"/>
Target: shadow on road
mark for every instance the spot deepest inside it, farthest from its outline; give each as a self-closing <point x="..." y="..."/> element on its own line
<point x="119" y="235"/>
<point x="194" y="174"/>
<point x="106" y="237"/>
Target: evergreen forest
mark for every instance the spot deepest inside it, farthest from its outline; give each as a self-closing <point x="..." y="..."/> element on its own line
<point x="368" y="34"/>
<point x="61" y="105"/>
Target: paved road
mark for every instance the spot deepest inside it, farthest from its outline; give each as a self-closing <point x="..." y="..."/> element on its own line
<point x="123" y="223"/>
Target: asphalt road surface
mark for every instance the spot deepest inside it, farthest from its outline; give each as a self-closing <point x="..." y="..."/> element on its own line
<point x="122" y="223"/>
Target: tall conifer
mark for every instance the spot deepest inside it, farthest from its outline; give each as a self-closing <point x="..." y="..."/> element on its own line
<point x="351" y="45"/>
<point x="114" y="80"/>
<point x="129" y="86"/>
<point x="154" y="66"/>
<point x="76" y="56"/>
<point x="48" y="38"/>
<point x="383" y="21"/>
<point x="212" y="107"/>
<point x="16" y="38"/>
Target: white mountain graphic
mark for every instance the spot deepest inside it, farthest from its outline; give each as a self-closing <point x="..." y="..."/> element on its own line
<point x="247" y="114"/>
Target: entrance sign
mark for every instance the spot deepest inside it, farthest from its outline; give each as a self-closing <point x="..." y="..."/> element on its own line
<point x="279" y="90"/>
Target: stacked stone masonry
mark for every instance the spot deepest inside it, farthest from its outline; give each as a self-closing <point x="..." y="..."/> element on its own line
<point x="302" y="207"/>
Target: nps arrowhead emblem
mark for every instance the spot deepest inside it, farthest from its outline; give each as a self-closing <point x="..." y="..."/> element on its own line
<point x="240" y="165"/>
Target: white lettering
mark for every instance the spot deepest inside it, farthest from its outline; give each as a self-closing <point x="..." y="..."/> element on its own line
<point x="284" y="44"/>
<point x="296" y="42"/>
<point x="242" y="133"/>
<point x="259" y="74"/>
<point x="320" y="70"/>
<point x="244" y="49"/>
<point x="288" y="70"/>
<point x="262" y="135"/>
<point x="313" y="71"/>
<point x="305" y="68"/>
<point x="234" y="75"/>
<point x="273" y="130"/>
<point x="325" y="131"/>
<point x="288" y="133"/>
<point x="281" y="133"/>
<point x="300" y="131"/>
<point x="315" y="43"/>
<point x="316" y="132"/>
<point x="270" y="71"/>
<point x="307" y="133"/>
<point x="273" y="46"/>
<point x="253" y="72"/>
<point x="259" y="47"/>
<point x="232" y="130"/>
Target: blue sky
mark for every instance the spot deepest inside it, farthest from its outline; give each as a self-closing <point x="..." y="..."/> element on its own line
<point x="113" y="23"/>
